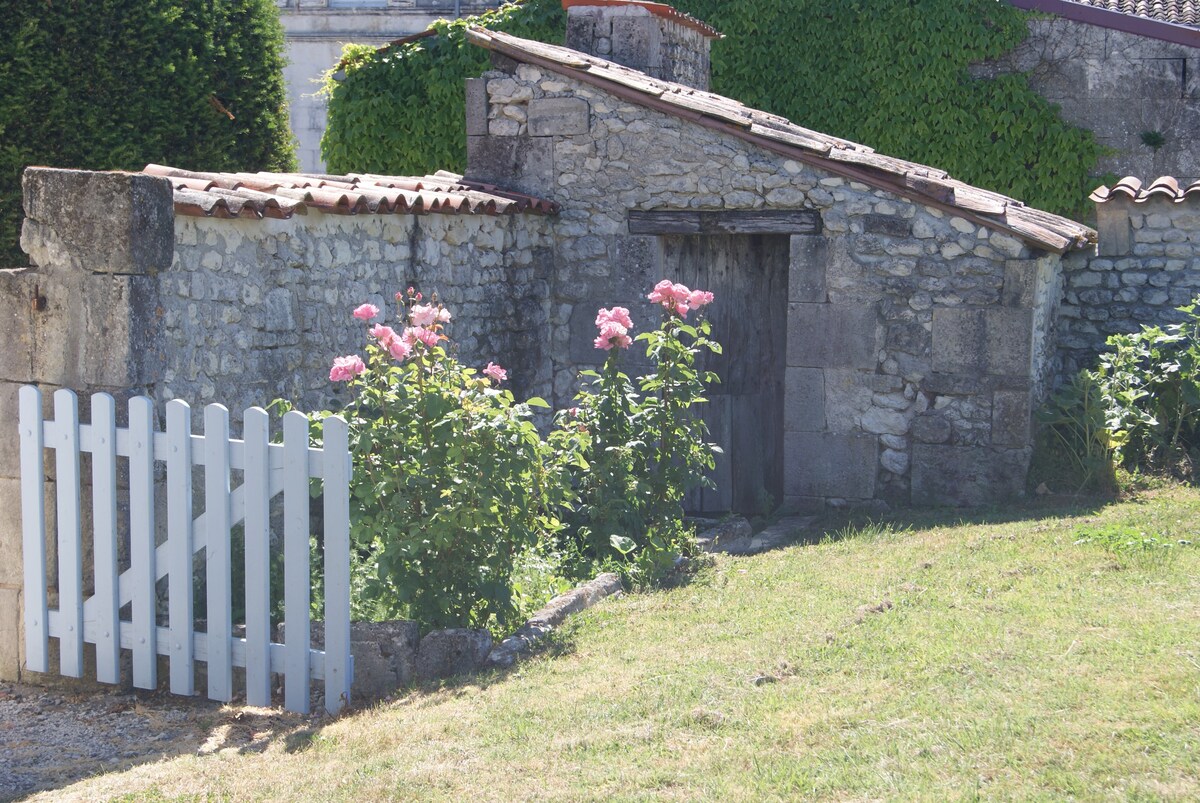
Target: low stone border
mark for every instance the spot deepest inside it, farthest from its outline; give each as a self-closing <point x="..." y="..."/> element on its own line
<point x="585" y="596"/>
<point x="734" y="536"/>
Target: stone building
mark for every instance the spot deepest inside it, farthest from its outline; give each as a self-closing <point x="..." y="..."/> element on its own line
<point x="1128" y="71"/>
<point x="316" y="31"/>
<point x="1147" y="265"/>
<point x="888" y="330"/>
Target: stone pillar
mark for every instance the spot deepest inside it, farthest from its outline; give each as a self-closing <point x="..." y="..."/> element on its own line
<point x="651" y="38"/>
<point x="84" y="317"/>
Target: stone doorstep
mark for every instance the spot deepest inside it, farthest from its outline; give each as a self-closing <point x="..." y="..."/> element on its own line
<point x="735" y="536"/>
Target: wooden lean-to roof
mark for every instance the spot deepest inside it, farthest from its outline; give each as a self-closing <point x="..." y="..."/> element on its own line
<point x="926" y="185"/>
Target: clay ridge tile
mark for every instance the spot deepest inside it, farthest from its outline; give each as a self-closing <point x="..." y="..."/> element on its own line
<point x="1131" y="187"/>
<point x="282" y="195"/>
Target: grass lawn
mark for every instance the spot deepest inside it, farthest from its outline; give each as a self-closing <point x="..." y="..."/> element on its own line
<point x="939" y="658"/>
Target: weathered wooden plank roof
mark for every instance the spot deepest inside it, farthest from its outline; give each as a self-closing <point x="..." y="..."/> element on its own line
<point x="838" y="156"/>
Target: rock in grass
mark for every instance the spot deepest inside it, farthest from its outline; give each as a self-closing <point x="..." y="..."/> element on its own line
<point x="457" y="651"/>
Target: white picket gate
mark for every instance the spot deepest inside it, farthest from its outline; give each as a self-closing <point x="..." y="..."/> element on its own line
<point x="268" y="469"/>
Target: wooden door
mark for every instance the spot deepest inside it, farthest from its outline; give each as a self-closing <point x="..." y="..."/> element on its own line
<point x="747" y="273"/>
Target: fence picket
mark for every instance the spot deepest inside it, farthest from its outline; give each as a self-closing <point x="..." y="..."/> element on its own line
<point x="217" y="553"/>
<point x="337" y="563"/>
<point x="33" y="529"/>
<point x="141" y="542"/>
<point x="269" y="469"/>
<point x="70" y="536"/>
<point x="296" y="579"/>
<point x="179" y="559"/>
<point x="256" y="433"/>
<point x="104" y="537"/>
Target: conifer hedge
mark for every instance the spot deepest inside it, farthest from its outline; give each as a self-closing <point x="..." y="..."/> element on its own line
<point x="892" y="74"/>
<point x="115" y="84"/>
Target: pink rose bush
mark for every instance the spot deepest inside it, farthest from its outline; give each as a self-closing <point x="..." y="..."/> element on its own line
<point x="642" y="443"/>
<point x="452" y="483"/>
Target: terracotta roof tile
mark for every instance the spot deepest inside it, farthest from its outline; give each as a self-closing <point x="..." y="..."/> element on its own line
<point x="1166" y="187"/>
<point x="657" y="9"/>
<point x="1179" y="12"/>
<point x="841" y="157"/>
<point x="282" y="195"/>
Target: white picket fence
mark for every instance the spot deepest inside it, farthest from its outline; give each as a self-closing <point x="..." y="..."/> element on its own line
<point x="267" y="468"/>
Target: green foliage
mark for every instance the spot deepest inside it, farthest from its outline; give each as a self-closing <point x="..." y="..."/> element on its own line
<point x="1139" y="409"/>
<point x="643" y="449"/>
<point x="399" y="109"/>
<point x="116" y="84"/>
<point x="1075" y="448"/>
<point x="452" y="484"/>
<point x="1125" y="538"/>
<point x="892" y="74"/>
<point x="1151" y="383"/>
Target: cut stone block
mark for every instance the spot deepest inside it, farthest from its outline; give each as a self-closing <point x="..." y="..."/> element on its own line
<point x="522" y="163"/>
<point x="806" y="276"/>
<point x="983" y="341"/>
<point x="1020" y="279"/>
<point x="832" y="336"/>
<point x="558" y="117"/>
<point x="965" y="476"/>
<point x="830" y="465"/>
<point x="1012" y="418"/>
<point x="82" y="221"/>
<point x="11" y="634"/>
<point x="16" y="328"/>
<point x="447" y="653"/>
<point x="804" y="400"/>
<point x="476" y="107"/>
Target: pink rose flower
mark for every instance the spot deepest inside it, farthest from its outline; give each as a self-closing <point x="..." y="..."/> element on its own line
<point x="384" y="334"/>
<point x="419" y="334"/>
<point x="612" y="334"/>
<point x="662" y="292"/>
<point x="346" y="368"/>
<point x="699" y="298"/>
<point x="618" y="315"/>
<point x="399" y="349"/>
<point x="443" y="315"/>
<point x="673" y="297"/>
<point x="495" y="372"/>
<point x="366" y="312"/>
<point x="423" y="315"/>
<point x="400" y="296"/>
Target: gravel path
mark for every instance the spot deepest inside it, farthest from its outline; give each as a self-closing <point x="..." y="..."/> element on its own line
<point x="50" y="738"/>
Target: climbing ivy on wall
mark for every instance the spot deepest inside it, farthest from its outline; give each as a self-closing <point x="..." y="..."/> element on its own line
<point x="116" y="84"/>
<point x="891" y="74"/>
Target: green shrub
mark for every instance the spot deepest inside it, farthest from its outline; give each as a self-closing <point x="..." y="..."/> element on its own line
<point x="892" y="74"/>
<point x="644" y="448"/>
<point x="1139" y="409"/>
<point x="452" y="482"/>
<point x="116" y="84"/>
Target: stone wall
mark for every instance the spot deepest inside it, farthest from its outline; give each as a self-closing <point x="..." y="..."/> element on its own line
<point x="1117" y="85"/>
<point x="128" y="299"/>
<point x="917" y="342"/>
<point x="1147" y="265"/>
<point x="254" y="310"/>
